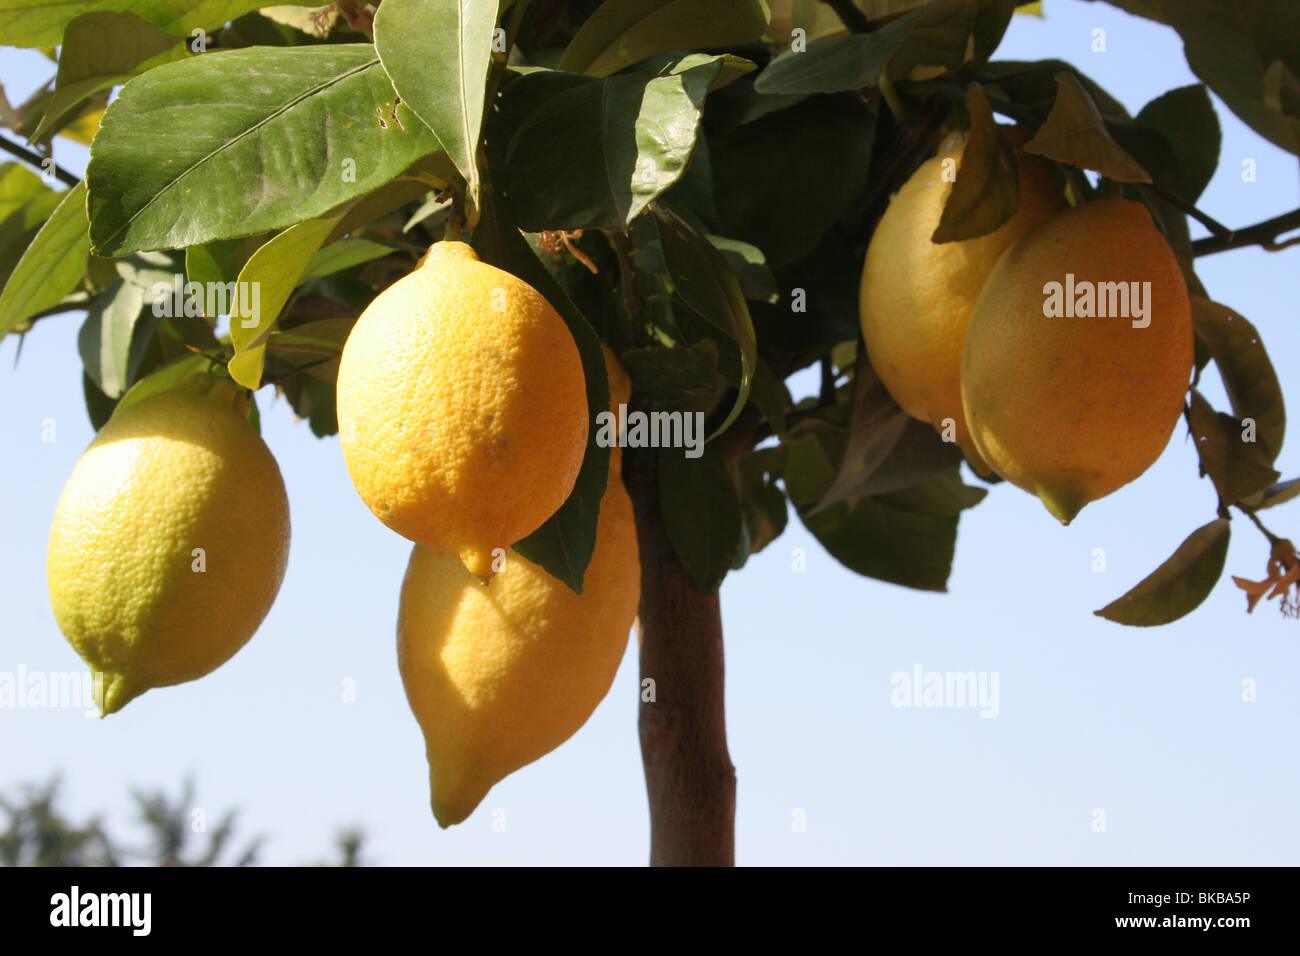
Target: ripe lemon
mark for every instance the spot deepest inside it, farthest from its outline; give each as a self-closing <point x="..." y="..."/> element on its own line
<point x="169" y="541"/>
<point x="1071" y="408"/>
<point x="462" y="407"/>
<point x="916" y="296"/>
<point x="499" y="674"/>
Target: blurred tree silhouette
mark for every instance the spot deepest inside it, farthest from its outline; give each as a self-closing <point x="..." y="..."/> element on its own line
<point x="36" y="833"/>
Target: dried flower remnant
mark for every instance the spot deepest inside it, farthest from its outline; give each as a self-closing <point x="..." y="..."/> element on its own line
<point x="1283" y="574"/>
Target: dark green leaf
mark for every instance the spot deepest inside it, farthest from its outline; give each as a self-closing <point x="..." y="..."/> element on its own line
<point x="1179" y="585"/>
<point x="838" y="63"/>
<point x="701" y="511"/>
<point x="564" y="544"/>
<point x="876" y="424"/>
<point x="623" y="32"/>
<point x="574" y="152"/>
<point x="682" y="379"/>
<point x="906" y="537"/>
<point x="99" y="407"/>
<point x="257" y="139"/>
<point x="1238" y="468"/>
<point x="1247" y="372"/>
<point x="1186" y="119"/>
<point x="822" y="149"/>
<point x="986" y="193"/>
<point x="1075" y="133"/>
<point x="1247" y="53"/>
<point x="937" y="43"/>
<point x="704" y="280"/>
<point x="763" y="506"/>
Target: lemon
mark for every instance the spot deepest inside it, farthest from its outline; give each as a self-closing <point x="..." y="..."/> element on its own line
<point x="916" y="296"/>
<point x="169" y="541"/>
<point x="1072" y="408"/>
<point x="462" y="407"/>
<point x="500" y="674"/>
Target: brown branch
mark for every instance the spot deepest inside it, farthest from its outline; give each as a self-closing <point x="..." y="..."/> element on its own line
<point x="852" y="18"/>
<point x="1261" y="234"/>
<point x="690" y="780"/>
<point x="37" y="160"/>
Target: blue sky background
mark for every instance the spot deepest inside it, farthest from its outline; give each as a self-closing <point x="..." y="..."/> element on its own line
<point x="1148" y="725"/>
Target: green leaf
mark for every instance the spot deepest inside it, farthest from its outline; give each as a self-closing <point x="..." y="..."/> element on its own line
<point x="1238" y="468"/>
<point x="701" y="510"/>
<point x="101" y="50"/>
<point x="221" y="259"/>
<point x="1278" y="494"/>
<point x="679" y="379"/>
<point x="437" y="52"/>
<point x="701" y="276"/>
<point x="1247" y="53"/>
<point x="763" y="505"/>
<point x="99" y="407"/>
<point x="1186" y="119"/>
<point x="838" y="63"/>
<point x="165" y="379"/>
<point x="1032" y="83"/>
<point x="907" y="537"/>
<point x="1247" y="372"/>
<point x="574" y="152"/>
<point x="1075" y="133"/>
<point x="623" y="32"/>
<point x="344" y="254"/>
<point x="826" y="141"/>
<point x="25" y="204"/>
<point x="52" y="265"/>
<point x="1179" y="585"/>
<point x="876" y="424"/>
<point x="938" y="43"/>
<point x="257" y="139"/>
<point x="986" y="193"/>
<point x="264" y="286"/>
<point x="105" y="337"/>
<point x="42" y="22"/>
<point x="564" y="544"/>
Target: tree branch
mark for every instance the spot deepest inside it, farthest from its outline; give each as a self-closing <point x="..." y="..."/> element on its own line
<point x="36" y="159"/>
<point x="1261" y="234"/>
<point x="852" y="18"/>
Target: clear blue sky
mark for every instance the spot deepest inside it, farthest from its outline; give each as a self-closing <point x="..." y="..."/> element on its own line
<point x="1148" y="725"/>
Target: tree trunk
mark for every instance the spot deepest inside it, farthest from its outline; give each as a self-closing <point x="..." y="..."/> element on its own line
<point x="690" y="781"/>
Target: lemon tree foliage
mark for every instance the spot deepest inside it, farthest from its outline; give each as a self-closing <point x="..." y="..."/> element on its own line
<point x="523" y="251"/>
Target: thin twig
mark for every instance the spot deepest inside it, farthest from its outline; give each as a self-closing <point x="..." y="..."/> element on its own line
<point x="1250" y="513"/>
<point x="1261" y="234"/>
<point x="1205" y="219"/>
<point x="39" y="161"/>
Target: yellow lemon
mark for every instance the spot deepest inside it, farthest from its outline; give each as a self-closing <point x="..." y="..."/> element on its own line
<point x="499" y="674"/>
<point x="169" y="541"/>
<point x="462" y="407"/>
<point x="1079" y="354"/>
<point x="916" y="296"/>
